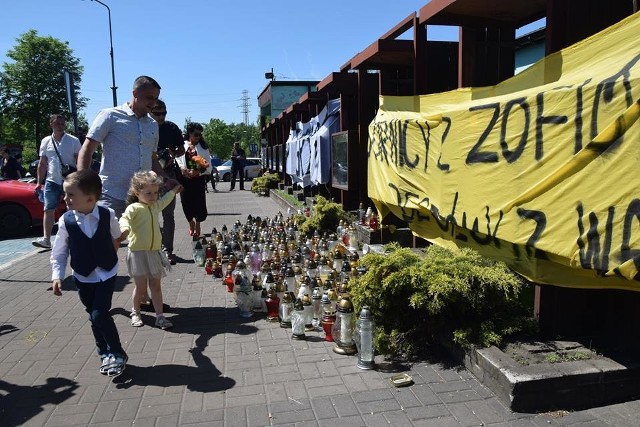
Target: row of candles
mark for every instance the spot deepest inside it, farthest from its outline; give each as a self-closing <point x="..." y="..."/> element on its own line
<point x="300" y="282"/>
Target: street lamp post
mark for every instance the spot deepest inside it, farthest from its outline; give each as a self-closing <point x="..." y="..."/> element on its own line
<point x="113" y="71"/>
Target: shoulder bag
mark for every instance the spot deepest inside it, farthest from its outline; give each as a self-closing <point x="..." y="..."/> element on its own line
<point x="65" y="169"/>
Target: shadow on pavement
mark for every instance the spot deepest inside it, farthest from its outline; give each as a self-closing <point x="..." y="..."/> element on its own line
<point x="18" y="403"/>
<point x="7" y="329"/>
<point x="205" y="322"/>
<point x="204" y="377"/>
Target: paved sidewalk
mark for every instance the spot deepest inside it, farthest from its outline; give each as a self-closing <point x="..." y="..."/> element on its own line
<point x="215" y="368"/>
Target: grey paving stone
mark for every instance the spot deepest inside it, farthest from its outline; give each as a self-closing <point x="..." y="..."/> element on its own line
<point x="296" y="390"/>
<point x="243" y="401"/>
<point x="168" y="421"/>
<point x="258" y="416"/>
<point x="323" y="408"/>
<point x="464" y="415"/>
<point x="235" y="416"/>
<point x="297" y="416"/>
<point x="276" y="392"/>
<point x="459" y="396"/>
<point x="427" y="412"/>
<point x="352" y="421"/>
<point x="290" y="405"/>
<point x="379" y="406"/>
<point x="445" y="421"/>
<point x="127" y="409"/>
<point x="354" y="383"/>
<point x="372" y="395"/>
<point x="451" y="386"/>
<point x="425" y="394"/>
<point x="205" y="418"/>
<point x="406" y="398"/>
<point x="112" y="424"/>
<point x="397" y="418"/>
<point x="345" y="406"/>
<point x="485" y="412"/>
<point x="67" y="420"/>
<point x="328" y="390"/>
<point x="309" y="371"/>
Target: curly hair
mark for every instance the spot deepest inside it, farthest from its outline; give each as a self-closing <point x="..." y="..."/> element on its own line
<point x="139" y="180"/>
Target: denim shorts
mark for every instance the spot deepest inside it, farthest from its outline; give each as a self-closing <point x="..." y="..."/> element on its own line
<point x="52" y="195"/>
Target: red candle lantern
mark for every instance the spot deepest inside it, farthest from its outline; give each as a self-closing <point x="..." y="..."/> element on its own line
<point x="228" y="280"/>
<point x="208" y="267"/>
<point x="212" y="251"/>
<point x="328" y="317"/>
<point x="273" y="304"/>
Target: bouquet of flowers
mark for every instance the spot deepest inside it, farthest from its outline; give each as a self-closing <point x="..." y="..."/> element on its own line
<point x="197" y="163"/>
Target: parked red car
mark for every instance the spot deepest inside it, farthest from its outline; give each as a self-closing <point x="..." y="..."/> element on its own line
<point x="20" y="208"/>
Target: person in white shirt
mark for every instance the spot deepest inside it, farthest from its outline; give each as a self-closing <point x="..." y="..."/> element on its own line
<point x="56" y="150"/>
<point x="90" y="235"/>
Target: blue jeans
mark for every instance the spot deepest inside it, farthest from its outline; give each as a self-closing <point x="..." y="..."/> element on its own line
<point x="96" y="298"/>
<point x="52" y="195"/>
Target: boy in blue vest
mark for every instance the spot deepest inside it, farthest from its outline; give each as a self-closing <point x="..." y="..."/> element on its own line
<point x="90" y="235"/>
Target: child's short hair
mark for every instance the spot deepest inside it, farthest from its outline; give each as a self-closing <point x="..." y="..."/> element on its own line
<point x="139" y="180"/>
<point x="87" y="181"/>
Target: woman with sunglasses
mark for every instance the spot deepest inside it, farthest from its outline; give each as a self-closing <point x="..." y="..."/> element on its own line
<point x="195" y="164"/>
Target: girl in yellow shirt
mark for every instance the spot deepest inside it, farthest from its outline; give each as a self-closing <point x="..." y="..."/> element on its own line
<point x="140" y="225"/>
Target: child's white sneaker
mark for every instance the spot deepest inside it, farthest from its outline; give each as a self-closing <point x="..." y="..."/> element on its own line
<point x="136" y="320"/>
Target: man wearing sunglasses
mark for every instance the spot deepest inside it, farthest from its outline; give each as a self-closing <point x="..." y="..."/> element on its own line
<point x="170" y="146"/>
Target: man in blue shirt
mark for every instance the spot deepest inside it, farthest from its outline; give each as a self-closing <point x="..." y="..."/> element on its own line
<point x="129" y="139"/>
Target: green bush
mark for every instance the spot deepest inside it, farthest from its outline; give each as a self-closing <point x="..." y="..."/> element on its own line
<point x="325" y="217"/>
<point x="446" y="296"/>
<point x="265" y="182"/>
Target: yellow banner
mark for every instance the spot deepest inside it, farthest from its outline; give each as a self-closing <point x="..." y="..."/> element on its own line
<point x="541" y="171"/>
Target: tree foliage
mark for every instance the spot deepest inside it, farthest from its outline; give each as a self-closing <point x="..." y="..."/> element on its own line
<point x="219" y="137"/>
<point x="246" y="134"/>
<point x="32" y="87"/>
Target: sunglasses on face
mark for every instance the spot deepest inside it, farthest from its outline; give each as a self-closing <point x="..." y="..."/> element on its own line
<point x="159" y="113"/>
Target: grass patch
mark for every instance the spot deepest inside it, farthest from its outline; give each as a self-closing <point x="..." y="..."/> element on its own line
<point x="289" y="198"/>
<point x="560" y="356"/>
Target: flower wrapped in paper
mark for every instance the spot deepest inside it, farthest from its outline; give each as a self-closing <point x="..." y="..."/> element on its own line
<point x="197" y="163"/>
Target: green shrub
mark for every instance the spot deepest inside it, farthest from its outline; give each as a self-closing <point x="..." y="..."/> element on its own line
<point x="446" y="296"/>
<point x="265" y="182"/>
<point x="325" y="217"/>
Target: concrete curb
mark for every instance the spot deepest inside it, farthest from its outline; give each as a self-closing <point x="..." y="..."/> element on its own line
<point x="547" y="386"/>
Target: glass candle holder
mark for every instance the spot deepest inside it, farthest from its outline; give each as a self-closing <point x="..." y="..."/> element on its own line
<point x="285" y="309"/>
<point x="297" y="321"/>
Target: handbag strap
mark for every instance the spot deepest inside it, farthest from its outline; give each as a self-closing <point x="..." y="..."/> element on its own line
<point x="55" y="147"/>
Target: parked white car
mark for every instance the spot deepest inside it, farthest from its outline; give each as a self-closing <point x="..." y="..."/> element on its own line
<point x="252" y="169"/>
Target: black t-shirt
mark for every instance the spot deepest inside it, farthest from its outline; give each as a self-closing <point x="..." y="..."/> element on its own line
<point x="170" y="136"/>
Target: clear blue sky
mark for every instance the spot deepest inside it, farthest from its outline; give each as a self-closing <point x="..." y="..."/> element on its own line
<point x="204" y="53"/>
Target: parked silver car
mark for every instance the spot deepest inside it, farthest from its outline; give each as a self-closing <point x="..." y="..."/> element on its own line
<point x="252" y="169"/>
